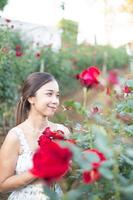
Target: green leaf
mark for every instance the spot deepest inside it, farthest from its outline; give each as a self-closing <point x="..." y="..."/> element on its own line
<point x="129" y="152"/>
<point x="91" y="157"/>
<point x="50" y="193"/>
<point x="75" y="194"/>
<point x="108" y="163"/>
<point x="101" y="140"/>
<point x="130" y="83"/>
<point x="129" y="129"/>
<point x="77" y="106"/>
<point x="106" y="173"/>
<point x="128" y="189"/>
<point x="128" y="160"/>
<point x="72" y="195"/>
<point x="78" y="156"/>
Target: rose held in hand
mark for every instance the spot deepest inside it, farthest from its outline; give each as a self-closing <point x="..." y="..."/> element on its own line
<point x="51" y="162"/>
<point x="48" y="136"/>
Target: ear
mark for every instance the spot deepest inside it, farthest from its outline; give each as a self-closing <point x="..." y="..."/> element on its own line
<point x="31" y="100"/>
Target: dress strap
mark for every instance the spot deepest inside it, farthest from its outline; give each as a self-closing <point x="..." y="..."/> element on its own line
<point x="22" y="139"/>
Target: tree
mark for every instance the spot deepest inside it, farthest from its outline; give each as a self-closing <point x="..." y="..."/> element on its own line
<point x="3" y="3"/>
<point x="69" y="34"/>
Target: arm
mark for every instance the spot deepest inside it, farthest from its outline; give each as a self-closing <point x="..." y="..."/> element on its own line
<point x="8" y="159"/>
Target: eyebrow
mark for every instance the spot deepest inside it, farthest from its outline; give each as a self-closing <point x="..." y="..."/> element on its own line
<point x="51" y="91"/>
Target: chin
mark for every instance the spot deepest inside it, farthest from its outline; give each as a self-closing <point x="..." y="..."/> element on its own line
<point x="49" y="114"/>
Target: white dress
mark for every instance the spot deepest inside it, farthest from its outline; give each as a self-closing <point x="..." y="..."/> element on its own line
<point x="24" y="163"/>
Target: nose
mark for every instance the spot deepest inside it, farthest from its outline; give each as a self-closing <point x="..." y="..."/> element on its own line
<point x="55" y="100"/>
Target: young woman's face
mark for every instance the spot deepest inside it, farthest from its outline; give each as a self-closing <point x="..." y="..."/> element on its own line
<point x="46" y="100"/>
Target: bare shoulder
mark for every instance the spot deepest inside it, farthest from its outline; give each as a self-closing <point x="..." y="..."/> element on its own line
<point x="11" y="141"/>
<point x="64" y="129"/>
<point x="8" y="155"/>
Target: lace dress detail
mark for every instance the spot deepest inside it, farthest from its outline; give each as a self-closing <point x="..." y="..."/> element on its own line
<point x="24" y="163"/>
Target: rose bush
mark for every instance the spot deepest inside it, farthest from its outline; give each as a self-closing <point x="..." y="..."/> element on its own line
<point x="102" y="163"/>
<point x="103" y="126"/>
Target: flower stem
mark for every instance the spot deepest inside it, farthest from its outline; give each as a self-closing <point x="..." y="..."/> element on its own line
<point x="84" y="96"/>
<point x="117" y="193"/>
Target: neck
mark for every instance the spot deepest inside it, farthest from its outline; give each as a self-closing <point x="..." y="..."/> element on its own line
<point x="37" y="123"/>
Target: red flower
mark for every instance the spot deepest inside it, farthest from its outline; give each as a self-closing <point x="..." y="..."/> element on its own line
<point x="71" y="141"/>
<point x="113" y="77"/>
<point x="37" y="55"/>
<point x="94" y="174"/>
<point x="88" y="77"/>
<point x="51" y="162"/>
<point x="127" y="89"/>
<point x="91" y="176"/>
<point x="18" y="47"/>
<point x="19" y="53"/>
<point x="95" y="110"/>
<point x="49" y="135"/>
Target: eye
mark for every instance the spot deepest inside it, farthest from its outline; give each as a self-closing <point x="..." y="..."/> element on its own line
<point x="58" y="95"/>
<point x="49" y="94"/>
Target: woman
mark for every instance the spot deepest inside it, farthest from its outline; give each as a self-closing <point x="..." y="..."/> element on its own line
<point x="39" y="101"/>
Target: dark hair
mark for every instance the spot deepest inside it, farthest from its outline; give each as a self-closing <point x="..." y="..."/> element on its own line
<point x="33" y="82"/>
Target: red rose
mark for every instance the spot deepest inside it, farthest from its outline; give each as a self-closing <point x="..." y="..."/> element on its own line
<point x="19" y="53"/>
<point x="71" y="141"/>
<point x="91" y="176"/>
<point x="113" y="77"/>
<point x="95" y="110"/>
<point x="94" y="174"/>
<point x="18" y="47"/>
<point x="49" y="135"/>
<point x="127" y="89"/>
<point x="88" y="77"/>
<point x="37" y="55"/>
<point x="51" y="162"/>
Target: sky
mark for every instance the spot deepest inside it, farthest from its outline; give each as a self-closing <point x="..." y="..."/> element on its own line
<point x="90" y="14"/>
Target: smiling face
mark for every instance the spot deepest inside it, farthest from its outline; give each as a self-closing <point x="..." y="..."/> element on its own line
<point x="46" y="100"/>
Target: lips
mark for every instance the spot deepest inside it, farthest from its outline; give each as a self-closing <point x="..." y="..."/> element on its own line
<point x="54" y="108"/>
